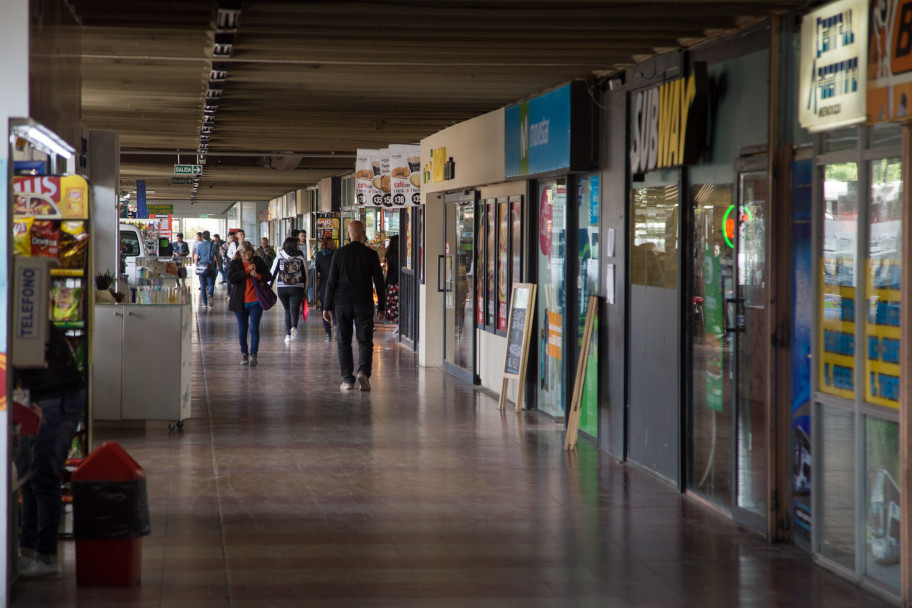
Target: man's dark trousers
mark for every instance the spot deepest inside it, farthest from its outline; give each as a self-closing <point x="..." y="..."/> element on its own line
<point x="361" y="315"/>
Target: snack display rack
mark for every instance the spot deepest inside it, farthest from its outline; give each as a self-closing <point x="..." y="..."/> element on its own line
<point x="51" y="220"/>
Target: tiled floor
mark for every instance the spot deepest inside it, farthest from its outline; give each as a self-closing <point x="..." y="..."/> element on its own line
<point x="285" y="491"/>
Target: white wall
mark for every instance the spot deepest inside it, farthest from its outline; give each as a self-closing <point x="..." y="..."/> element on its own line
<point x="14" y="103"/>
<point x="104" y="179"/>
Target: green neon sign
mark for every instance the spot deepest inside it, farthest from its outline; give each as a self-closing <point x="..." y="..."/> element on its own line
<point x="728" y="230"/>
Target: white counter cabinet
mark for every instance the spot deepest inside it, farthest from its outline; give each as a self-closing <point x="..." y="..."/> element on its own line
<point x="142" y="362"/>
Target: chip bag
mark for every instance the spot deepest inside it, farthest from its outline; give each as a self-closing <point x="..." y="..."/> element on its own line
<point x="65" y="303"/>
<point x="22" y="235"/>
<point x="45" y="238"/>
<point x="74" y="244"/>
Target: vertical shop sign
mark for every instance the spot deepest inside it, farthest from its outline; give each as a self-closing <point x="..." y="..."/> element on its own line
<point x="368" y="168"/>
<point x="889" y="66"/>
<point x="142" y="212"/>
<point x="833" y="69"/>
<point x="405" y="175"/>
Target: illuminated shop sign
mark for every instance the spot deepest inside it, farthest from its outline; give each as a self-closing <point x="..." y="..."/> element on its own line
<point x="833" y="65"/>
<point x="667" y="122"/>
<point x="728" y="224"/>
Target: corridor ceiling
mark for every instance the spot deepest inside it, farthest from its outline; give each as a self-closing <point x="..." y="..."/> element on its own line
<point x="306" y="83"/>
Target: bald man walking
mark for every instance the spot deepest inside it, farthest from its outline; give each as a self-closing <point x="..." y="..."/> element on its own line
<point x="353" y="276"/>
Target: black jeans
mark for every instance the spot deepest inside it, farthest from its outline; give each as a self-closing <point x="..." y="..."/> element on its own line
<point x="362" y="317"/>
<point x="291" y="298"/>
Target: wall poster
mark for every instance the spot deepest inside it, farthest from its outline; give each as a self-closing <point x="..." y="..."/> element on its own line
<point x="503" y="263"/>
<point x="491" y="263"/>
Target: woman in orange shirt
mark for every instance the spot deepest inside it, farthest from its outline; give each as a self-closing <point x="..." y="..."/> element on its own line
<point x="244" y="269"/>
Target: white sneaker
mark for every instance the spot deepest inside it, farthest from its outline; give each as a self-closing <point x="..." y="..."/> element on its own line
<point x="43" y="567"/>
<point x="347" y="386"/>
<point x="294" y="334"/>
<point x="210" y="304"/>
<point x="363" y="382"/>
<point x="26" y="557"/>
<point x="288" y="338"/>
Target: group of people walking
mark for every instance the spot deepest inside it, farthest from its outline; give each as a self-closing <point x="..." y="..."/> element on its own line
<point x="347" y="279"/>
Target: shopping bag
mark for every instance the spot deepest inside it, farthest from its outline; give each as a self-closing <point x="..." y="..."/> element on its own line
<point x="305" y="309"/>
<point x="265" y="294"/>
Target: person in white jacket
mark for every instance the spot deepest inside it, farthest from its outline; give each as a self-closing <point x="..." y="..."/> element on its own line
<point x="289" y="274"/>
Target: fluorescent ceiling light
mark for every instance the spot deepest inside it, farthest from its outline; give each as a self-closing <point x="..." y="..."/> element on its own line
<point x="43" y="139"/>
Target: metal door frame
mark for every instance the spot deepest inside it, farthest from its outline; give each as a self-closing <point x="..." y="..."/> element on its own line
<point x="466" y="197"/>
<point x="746" y="165"/>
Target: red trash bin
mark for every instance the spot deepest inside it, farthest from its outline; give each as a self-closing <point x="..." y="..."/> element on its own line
<point x="110" y="517"/>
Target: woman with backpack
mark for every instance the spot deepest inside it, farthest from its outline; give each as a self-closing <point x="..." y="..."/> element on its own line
<point x="322" y="264"/>
<point x="289" y="271"/>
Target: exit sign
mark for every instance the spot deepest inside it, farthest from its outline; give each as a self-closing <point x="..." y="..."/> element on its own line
<point x="181" y="181"/>
<point x="188" y="169"/>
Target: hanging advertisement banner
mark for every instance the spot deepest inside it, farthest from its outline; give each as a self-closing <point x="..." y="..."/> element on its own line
<point x="405" y="175"/>
<point x="833" y="69"/>
<point x="367" y="178"/>
<point x="889" y="65"/>
<point x="390" y="177"/>
<point x="385" y="177"/>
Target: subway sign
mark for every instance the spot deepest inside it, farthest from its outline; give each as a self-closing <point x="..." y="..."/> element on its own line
<point x="668" y="122"/>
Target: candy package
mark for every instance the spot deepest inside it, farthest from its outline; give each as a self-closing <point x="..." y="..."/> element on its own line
<point x="74" y="244"/>
<point x="22" y="236"/>
<point x="45" y="238"/>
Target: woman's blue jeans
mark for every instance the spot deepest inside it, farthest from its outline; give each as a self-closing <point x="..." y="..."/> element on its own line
<point x="41" y="457"/>
<point x="249" y="319"/>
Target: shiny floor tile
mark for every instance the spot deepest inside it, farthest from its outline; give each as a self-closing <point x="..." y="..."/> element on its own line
<point x="283" y="491"/>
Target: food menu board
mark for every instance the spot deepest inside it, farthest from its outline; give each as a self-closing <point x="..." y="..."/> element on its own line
<point x="51" y="197"/>
<point x="368" y="179"/>
<point x="519" y="328"/>
<point x="405" y="175"/>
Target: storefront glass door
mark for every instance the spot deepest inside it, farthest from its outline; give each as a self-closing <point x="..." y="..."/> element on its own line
<point x="551" y="323"/>
<point x="752" y="339"/>
<point x="709" y="467"/>
<point x="727" y="448"/>
<point x="459" y="333"/>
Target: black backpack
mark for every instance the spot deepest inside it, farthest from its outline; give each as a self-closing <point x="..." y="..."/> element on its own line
<point x="291" y="271"/>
